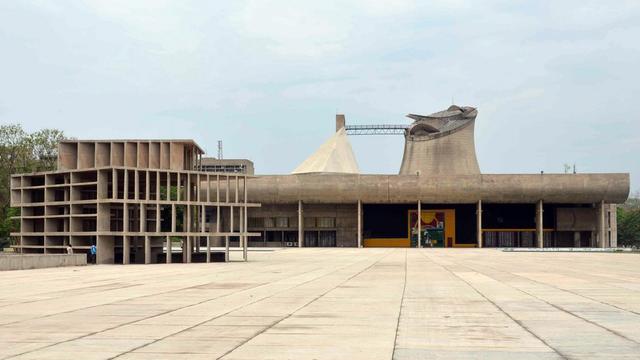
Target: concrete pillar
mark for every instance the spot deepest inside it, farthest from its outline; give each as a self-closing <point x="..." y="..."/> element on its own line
<point x="359" y="223"/>
<point x="230" y="228"/>
<point x="126" y="249"/>
<point x="300" y="224"/>
<point x="419" y="224"/>
<point x="208" y="249"/>
<point x="613" y="225"/>
<point x="189" y="248"/>
<point x="246" y="238"/>
<point x="125" y="217"/>
<point x="173" y="218"/>
<point x="125" y="193"/>
<point x="479" y="223"/>
<point x="178" y="186"/>
<point x="246" y="218"/>
<point x="114" y="184"/>
<point x="147" y="250"/>
<point x="169" y="250"/>
<point x="104" y="247"/>
<point x="602" y="228"/>
<point x="539" y="224"/>
<point x="136" y="184"/>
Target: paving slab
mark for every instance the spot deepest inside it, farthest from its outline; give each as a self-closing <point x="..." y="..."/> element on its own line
<point x="331" y="304"/>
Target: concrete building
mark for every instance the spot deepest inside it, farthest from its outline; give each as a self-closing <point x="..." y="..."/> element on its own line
<point x="132" y="198"/>
<point x="136" y="200"/>
<point x="439" y="179"/>
<point x="239" y="166"/>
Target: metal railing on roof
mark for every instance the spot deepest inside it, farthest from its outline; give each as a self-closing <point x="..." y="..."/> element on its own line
<point x="376" y="129"/>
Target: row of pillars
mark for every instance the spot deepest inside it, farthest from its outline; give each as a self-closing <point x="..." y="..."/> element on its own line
<point x="187" y="249"/>
<point x="602" y="226"/>
<point x="602" y="229"/>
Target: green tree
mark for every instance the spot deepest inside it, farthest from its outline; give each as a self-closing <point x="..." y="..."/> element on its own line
<point x="629" y="222"/>
<point x="22" y="152"/>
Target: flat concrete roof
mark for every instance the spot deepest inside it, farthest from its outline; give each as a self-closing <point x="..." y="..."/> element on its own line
<point x="440" y="189"/>
<point x="331" y="304"/>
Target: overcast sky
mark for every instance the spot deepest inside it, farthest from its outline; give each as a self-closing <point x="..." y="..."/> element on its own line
<point x="554" y="81"/>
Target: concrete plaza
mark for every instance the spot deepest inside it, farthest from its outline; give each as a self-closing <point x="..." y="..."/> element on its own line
<point x="330" y="304"/>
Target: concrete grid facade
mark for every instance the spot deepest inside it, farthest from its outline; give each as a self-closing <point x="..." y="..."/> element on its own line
<point x="133" y="199"/>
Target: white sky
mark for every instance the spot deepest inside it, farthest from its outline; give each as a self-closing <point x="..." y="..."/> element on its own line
<point x="554" y="81"/>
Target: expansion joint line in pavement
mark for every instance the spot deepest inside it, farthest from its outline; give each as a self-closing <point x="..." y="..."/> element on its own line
<point x="115" y="302"/>
<point x="142" y="319"/>
<point x="558" y="307"/>
<point x="238" y="308"/>
<point x="404" y="288"/>
<point x="571" y="292"/>
<point x="302" y="307"/>
<point x="558" y="352"/>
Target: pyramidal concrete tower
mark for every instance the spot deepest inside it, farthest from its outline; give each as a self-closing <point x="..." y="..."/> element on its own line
<point x="334" y="156"/>
<point x="441" y="143"/>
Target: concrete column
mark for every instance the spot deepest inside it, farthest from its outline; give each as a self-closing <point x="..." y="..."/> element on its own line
<point x="157" y="186"/>
<point x="359" y="223"/>
<point x="157" y="217"/>
<point x="114" y="184"/>
<point x="246" y="238"/>
<point x="230" y="227"/>
<point x="126" y="249"/>
<point x="142" y="216"/>
<point x="147" y="250"/>
<point x="188" y="248"/>
<point x="178" y="186"/>
<point x="168" y="185"/>
<point x="136" y="184"/>
<point x="125" y="217"/>
<point x="208" y="188"/>
<point x="125" y="193"/>
<point x="539" y="224"/>
<point x="173" y="218"/>
<point x="147" y="190"/>
<point x="300" y="224"/>
<point x="419" y="224"/>
<point x="240" y="229"/>
<point x="169" y="250"/>
<point x="246" y="218"/>
<point x="479" y="223"/>
<point x="613" y="225"/>
<point x="602" y="228"/>
<point x="208" y="249"/>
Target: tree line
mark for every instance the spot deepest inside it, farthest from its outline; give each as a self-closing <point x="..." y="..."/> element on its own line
<point x="22" y="152"/>
<point x="629" y="222"/>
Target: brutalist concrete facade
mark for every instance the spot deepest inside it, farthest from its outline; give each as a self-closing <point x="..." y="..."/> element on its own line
<point x="441" y="143"/>
<point x="134" y="199"/>
<point x="439" y="173"/>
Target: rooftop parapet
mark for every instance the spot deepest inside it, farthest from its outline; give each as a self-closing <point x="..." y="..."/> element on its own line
<point x="143" y="154"/>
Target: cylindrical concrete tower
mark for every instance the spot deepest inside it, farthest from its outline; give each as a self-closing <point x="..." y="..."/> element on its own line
<point x="441" y="143"/>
